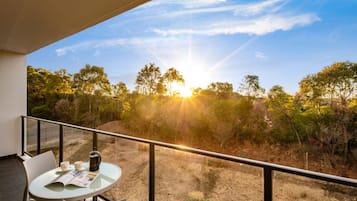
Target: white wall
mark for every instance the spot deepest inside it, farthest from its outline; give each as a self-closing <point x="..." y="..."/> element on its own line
<point x="13" y="95"/>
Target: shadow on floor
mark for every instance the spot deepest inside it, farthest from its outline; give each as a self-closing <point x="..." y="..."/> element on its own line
<point x="12" y="178"/>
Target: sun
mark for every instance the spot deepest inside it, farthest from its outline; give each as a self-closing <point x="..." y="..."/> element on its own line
<point x="194" y="69"/>
<point x="183" y="91"/>
<point x="194" y="74"/>
<point x="180" y="89"/>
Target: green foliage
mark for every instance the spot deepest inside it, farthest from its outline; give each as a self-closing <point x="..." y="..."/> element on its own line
<point x="283" y="135"/>
<point x="148" y="80"/>
<point x="125" y="111"/>
<point x="221" y="89"/>
<point x="250" y="86"/>
<point x="120" y="91"/>
<point x="60" y="82"/>
<point x="91" y="80"/>
<point x="42" y="111"/>
<point x="284" y="112"/>
<point x="200" y="125"/>
<point x="328" y="96"/>
<point x="171" y="77"/>
<point x="108" y="110"/>
<point x="46" y="88"/>
<point x="222" y="117"/>
<point x="64" y="110"/>
<point x="335" y="83"/>
<point x="325" y="109"/>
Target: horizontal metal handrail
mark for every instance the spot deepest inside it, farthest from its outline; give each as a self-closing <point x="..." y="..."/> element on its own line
<point x="280" y="168"/>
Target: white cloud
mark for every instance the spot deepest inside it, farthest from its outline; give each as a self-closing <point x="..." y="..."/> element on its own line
<point x="256" y="8"/>
<point x="96" y="44"/>
<point x="260" y="26"/>
<point x="84" y="45"/>
<point x="91" y="44"/>
<point x="187" y="3"/>
<point x="61" y="52"/>
<point x="206" y="17"/>
<point x="257" y="18"/>
<point x="236" y="9"/>
<point x="260" y="55"/>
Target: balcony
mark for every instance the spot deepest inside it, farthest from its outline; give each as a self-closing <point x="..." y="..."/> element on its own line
<point x="151" y="170"/>
<point x="154" y="170"/>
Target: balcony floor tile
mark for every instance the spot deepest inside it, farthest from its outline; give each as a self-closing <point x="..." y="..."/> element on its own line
<point x="12" y="178"/>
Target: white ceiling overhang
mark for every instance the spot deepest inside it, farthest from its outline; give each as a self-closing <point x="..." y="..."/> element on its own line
<point x="28" y="25"/>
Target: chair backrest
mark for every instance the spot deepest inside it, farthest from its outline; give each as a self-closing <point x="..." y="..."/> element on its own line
<point x="39" y="164"/>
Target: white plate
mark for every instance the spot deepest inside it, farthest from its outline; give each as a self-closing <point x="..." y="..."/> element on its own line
<point x="71" y="167"/>
<point x="83" y="168"/>
<point x="60" y="170"/>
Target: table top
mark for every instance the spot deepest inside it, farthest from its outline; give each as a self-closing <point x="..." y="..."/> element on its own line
<point x="109" y="175"/>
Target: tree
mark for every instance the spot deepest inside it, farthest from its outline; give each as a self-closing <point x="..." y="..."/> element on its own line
<point x="65" y="111"/>
<point x="171" y="77"/>
<point x="338" y="81"/>
<point x="90" y="83"/>
<point x="311" y="91"/>
<point x="161" y="87"/>
<point x="334" y="87"/>
<point x="222" y="119"/>
<point x="91" y="80"/>
<point x="251" y="87"/>
<point x="148" y="81"/>
<point x="37" y="80"/>
<point x="335" y="83"/>
<point x="40" y="93"/>
<point x="120" y="91"/>
<point x="284" y="110"/>
<point x="221" y="89"/>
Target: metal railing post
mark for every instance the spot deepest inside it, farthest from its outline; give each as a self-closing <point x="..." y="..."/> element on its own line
<point x="268" y="184"/>
<point x="38" y="137"/>
<point x="152" y="172"/>
<point x="95" y="141"/>
<point x="60" y="144"/>
<point x="22" y="135"/>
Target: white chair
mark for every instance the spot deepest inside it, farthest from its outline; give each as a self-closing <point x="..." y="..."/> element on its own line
<point x="38" y="165"/>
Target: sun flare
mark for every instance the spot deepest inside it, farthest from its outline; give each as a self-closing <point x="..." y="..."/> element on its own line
<point x="183" y="91"/>
<point x="194" y="74"/>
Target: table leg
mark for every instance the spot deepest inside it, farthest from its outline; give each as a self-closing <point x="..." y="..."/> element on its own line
<point x="95" y="198"/>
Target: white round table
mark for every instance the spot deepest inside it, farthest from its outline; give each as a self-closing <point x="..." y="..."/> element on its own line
<point x="109" y="175"/>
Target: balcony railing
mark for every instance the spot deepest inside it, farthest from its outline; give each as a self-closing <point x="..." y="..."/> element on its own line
<point x="268" y="169"/>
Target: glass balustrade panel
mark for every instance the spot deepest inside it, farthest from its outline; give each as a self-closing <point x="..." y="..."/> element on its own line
<point x="133" y="158"/>
<point x="31" y="136"/>
<point x="289" y="187"/>
<point x="192" y="177"/>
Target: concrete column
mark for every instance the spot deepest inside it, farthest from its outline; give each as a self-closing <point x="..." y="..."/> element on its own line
<point x="13" y="101"/>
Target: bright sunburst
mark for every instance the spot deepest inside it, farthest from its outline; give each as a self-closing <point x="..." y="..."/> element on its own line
<point x="183" y="91"/>
<point x="194" y="74"/>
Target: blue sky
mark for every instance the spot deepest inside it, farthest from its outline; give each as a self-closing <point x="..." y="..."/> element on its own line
<point x="281" y="41"/>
